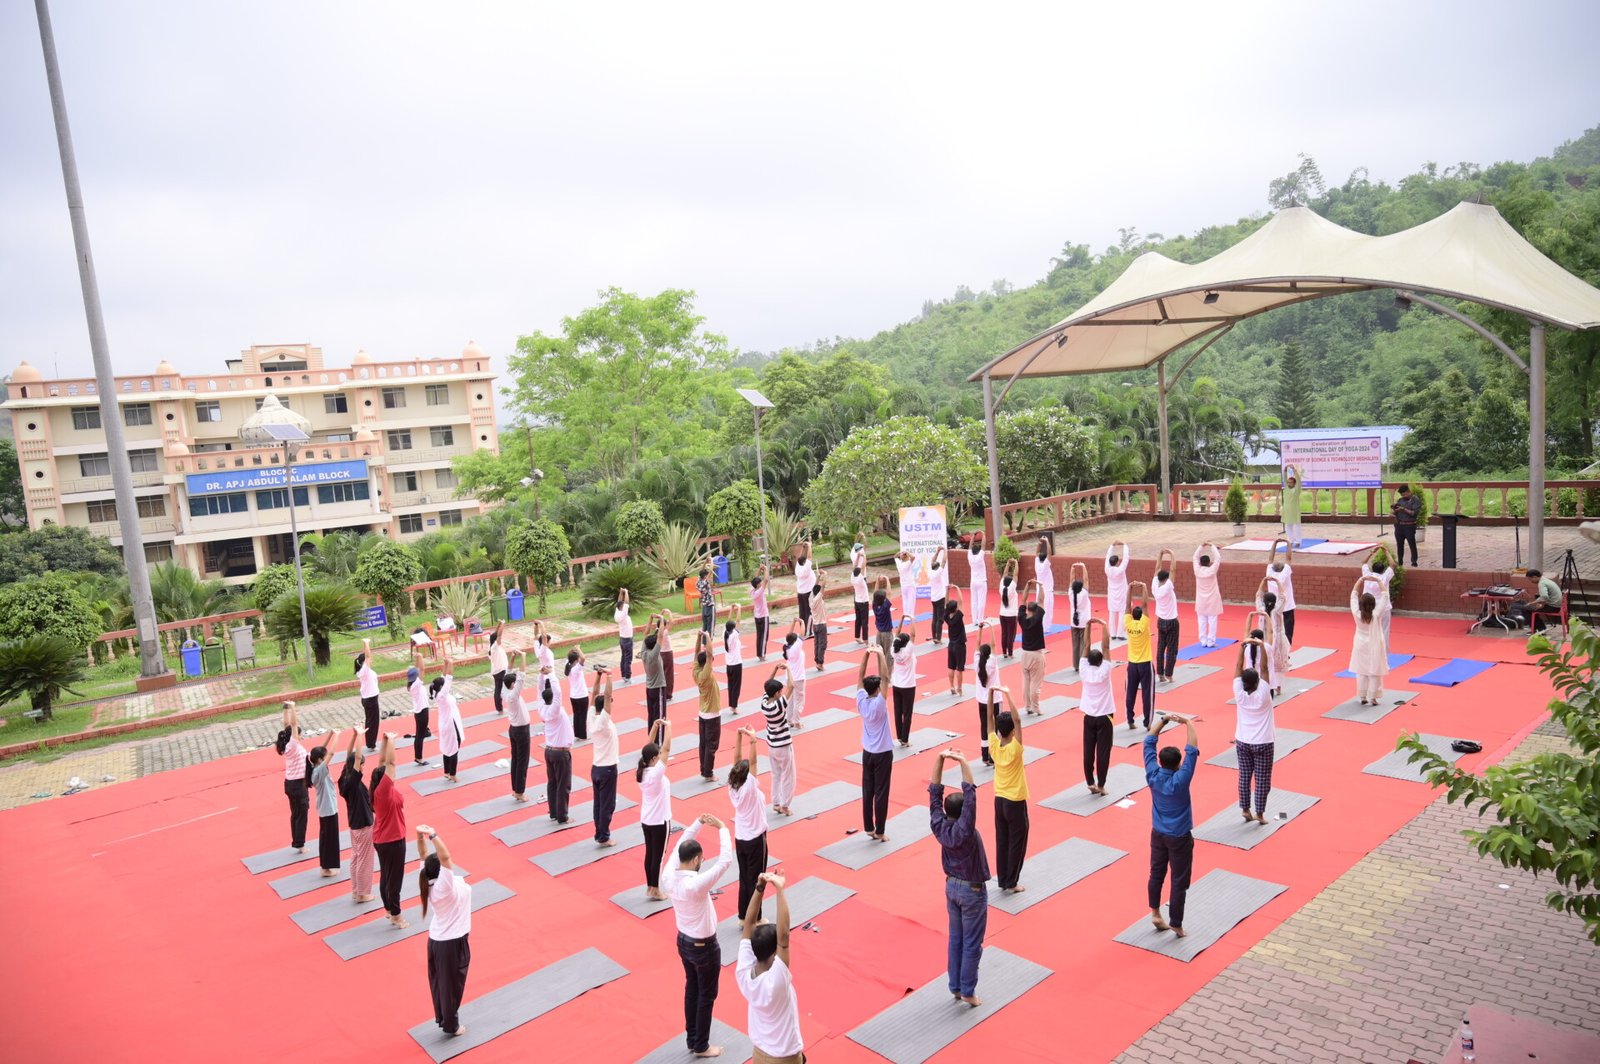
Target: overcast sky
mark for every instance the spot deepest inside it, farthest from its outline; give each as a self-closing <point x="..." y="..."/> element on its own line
<point x="406" y="177"/>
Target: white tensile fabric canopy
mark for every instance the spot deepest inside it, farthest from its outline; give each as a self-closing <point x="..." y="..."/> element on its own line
<point x="1159" y="305"/>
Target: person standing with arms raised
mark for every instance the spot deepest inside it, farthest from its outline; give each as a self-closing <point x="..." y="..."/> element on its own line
<point x="368" y="681"/>
<point x="1207" y="563"/>
<point x="1291" y="504"/>
<point x="749" y="814"/>
<point x="903" y="684"/>
<point x="624" y="620"/>
<point x="733" y="657"/>
<point x="1010" y="793"/>
<point x="1031" y="620"/>
<point x="520" y="730"/>
<point x="705" y="586"/>
<point x="690" y="888"/>
<point x="603" y="766"/>
<point x="448" y="894"/>
<point x="780" y="744"/>
<point x="1009" y="601"/>
<point x="655" y="675"/>
<point x="953" y="819"/>
<point x="1169" y="774"/>
<point x="938" y="588"/>
<point x="1254" y="737"/>
<point x="358" y="813"/>
<point x="762" y="972"/>
<point x="709" y="718"/>
<point x="805" y="578"/>
<point x="906" y="565"/>
<point x="883" y="616"/>
<point x="1082" y="608"/>
<point x="1099" y="709"/>
<point x="655" y="803"/>
<point x="794" y="659"/>
<point x="578" y="693"/>
<point x="498" y="665"/>
<point x="389" y="832"/>
<point x="1283" y="573"/>
<point x="557" y="747"/>
<point x="664" y="635"/>
<point x="977" y="580"/>
<point x="1137" y="626"/>
<point x="877" y="747"/>
<point x="1117" y="586"/>
<point x="759" y="609"/>
<point x="327" y="798"/>
<point x="861" y="596"/>
<point x="955" y="658"/>
<point x="1044" y="574"/>
<point x="449" y="718"/>
<point x="296" y="783"/>
<point x="1167" y="631"/>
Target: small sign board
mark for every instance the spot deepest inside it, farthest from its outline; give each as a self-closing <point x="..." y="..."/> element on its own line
<point x="373" y="617"/>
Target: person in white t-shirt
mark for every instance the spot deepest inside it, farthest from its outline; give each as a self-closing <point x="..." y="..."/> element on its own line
<point x="987" y="671"/>
<point x="1165" y="592"/>
<point x="1385" y="573"/>
<point x="1253" y="735"/>
<point x="655" y="802"/>
<point x="445" y="891"/>
<point x="1117" y="586"/>
<point x="1044" y="575"/>
<point x="903" y="683"/>
<point x="805" y="578"/>
<point x="368" y="679"/>
<point x="938" y="588"/>
<point x="624" y="621"/>
<point x="1099" y="707"/>
<point x="603" y="766"/>
<point x="498" y="665"/>
<point x="794" y="659"/>
<point x="733" y="656"/>
<point x="861" y="596"/>
<point x="1283" y="573"/>
<point x="1080" y="608"/>
<point x="762" y="972"/>
<point x="906" y="564"/>
<point x="977" y="580"/>
<point x="749" y="814"/>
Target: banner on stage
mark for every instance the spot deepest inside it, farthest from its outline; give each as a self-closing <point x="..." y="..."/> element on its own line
<point x="1344" y="462"/>
<point x="923" y="530"/>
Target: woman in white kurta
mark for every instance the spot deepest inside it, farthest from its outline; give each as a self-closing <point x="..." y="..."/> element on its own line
<point x="1117" y="586"/>
<point x="444" y="701"/>
<point x="1046" y="577"/>
<point x="1369" y="649"/>
<point x="1207" y="595"/>
<point x="1277" y="644"/>
<point x="978" y="581"/>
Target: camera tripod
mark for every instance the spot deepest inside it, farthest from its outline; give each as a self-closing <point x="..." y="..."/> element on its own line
<point x="1569" y="578"/>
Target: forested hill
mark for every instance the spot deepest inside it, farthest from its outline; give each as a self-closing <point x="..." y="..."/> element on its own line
<point x="1365" y="361"/>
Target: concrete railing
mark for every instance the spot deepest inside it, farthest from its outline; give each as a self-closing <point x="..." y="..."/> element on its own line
<point x="1077" y="508"/>
<point x="1490" y="501"/>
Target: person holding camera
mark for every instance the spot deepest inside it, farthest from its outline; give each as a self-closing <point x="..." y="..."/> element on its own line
<point x="1407" y="510"/>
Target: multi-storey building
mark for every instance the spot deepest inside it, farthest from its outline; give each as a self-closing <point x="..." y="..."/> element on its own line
<point x="379" y="460"/>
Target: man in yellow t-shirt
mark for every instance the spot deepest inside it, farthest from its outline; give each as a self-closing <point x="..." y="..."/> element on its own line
<point x="1140" y="679"/>
<point x="1010" y="792"/>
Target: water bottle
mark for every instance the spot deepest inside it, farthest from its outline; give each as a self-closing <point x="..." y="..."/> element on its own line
<point x="1467" y="1052"/>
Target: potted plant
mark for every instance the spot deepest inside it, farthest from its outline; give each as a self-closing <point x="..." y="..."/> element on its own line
<point x="1235" y="506"/>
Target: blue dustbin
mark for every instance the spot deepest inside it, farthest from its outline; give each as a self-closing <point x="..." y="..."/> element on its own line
<point x="514" y="605"/>
<point x="719" y="565"/>
<point x="191" y="658"/>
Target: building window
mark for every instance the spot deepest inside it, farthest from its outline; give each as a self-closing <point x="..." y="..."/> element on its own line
<point x="449" y="517"/>
<point x="355" y="491"/>
<point x="444" y="478"/>
<point x="405" y="482"/>
<point x="85" y="418"/>
<point x="394" y="398"/>
<point x="208" y="412"/>
<point x="94" y="465"/>
<point x="443" y="436"/>
<point x="136" y="414"/>
<point x="144" y="461"/>
<point x="152" y="506"/>
<point x="340" y="437"/>
<point x="102" y="511"/>
<point x="278" y="498"/>
<point x="156" y="553"/>
<point x="438" y="394"/>
<point x="410" y="523"/>
<point x="400" y="439"/>
<point x="212" y="505"/>
<point x="335" y="404"/>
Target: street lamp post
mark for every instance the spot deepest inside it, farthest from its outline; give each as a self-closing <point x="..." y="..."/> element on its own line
<point x="762" y="404"/>
<point x="276" y="424"/>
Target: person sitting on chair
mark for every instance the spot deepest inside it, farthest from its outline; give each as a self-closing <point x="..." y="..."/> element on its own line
<point x="1546" y="601"/>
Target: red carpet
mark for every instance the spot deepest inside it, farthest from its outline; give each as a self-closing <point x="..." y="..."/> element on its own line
<point x="139" y="932"/>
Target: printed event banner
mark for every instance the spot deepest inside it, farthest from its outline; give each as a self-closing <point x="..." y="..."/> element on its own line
<point x="922" y="533"/>
<point x="228" y="480"/>
<point x="1349" y="462"/>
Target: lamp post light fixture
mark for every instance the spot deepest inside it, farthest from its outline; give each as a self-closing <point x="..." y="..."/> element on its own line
<point x="762" y="404"/>
<point x="532" y="482"/>
<point x="274" y="425"/>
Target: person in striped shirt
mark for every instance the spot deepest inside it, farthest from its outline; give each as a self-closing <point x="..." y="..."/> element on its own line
<point x="294" y="777"/>
<point x="780" y="744"/>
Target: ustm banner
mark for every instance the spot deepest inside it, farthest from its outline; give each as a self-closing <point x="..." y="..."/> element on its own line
<point x="1348" y="462"/>
<point x="922" y="533"/>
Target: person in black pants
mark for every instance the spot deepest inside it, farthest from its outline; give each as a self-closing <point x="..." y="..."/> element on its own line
<point x="1008" y="608"/>
<point x="905" y="698"/>
<point x="1172" y="820"/>
<point x="655" y="676"/>
<point x="690" y="888"/>
<point x="389" y="831"/>
<point x="1010" y="793"/>
<point x="1136" y="626"/>
<point x="445" y="890"/>
<point x="295" y="785"/>
<point x="1099" y="711"/>
<point x="733" y="657"/>
<point x="1407" y="509"/>
<point x="862" y="597"/>
<point x="520" y="731"/>
<point x="749" y="815"/>
<point x="938" y="588"/>
<point x="877" y="749"/>
<point x="819" y="625"/>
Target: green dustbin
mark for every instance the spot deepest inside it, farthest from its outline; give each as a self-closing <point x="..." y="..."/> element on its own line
<point x="215" y="659"/>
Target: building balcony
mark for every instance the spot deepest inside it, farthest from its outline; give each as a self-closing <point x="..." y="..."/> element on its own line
<point x="426" y="456"/>
<point x="439" y="498"/>
<point x="148" y="526"/>
<point x="85" y="485"/>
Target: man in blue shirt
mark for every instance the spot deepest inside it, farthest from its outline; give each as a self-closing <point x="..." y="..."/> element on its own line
<point x="954" y="820"/>
<point x="1172" y="819"/>
<point x="877" y="756"/>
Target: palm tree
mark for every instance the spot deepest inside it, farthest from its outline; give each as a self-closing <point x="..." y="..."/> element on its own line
<point x="41" y="667"/>
<point x="678" y="554"/>
<point x="329" y="608"/>
<point x="463" y="601"/>
<point x="180" y="595"/>
<point x="334" y="554"/>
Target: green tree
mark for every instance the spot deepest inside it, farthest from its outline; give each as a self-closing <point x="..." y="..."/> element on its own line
<point x="1439" y="441"/>
<point x="639" y="525"/>
<point x="50" y="604"/>
<point x="13" y="506"/>
<point x="386" y="569"/>
<point x="329" y="608"/>
<point x="179" y="595"/>
<point x="271" y="583"/>
<point x="629" y="378"/>
<point x="540" y="552"/>
<point x="333" y="555"/>
<point x="56" y="548"/>
<point x="602" y="586"/>
<point x="40" y="666"/>
<point x="735" y="512"/>
<point x="905" y="461"/>
<point x="1498" y="429"/>
<point x="1294" y="402"/>
<point x="1546" y="809"/>
<point x="1043" y="451"/>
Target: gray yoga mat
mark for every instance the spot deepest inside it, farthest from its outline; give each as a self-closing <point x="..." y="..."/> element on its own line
<point x="633" y="899"/>
<point x="587" y="852"/>
<point x="1050" y="708"/>
<point x="1286" y="742"/>
<point x="1070" y="675"/>
<point x="537" y="827"/>
<point x="1216" y="905"/>
<point x="292" y="886"/>
<point x="922" y="1023"/>
<point x="1187" y="672"/>
<point x="273" y="859"/>
<point x="1048" y="873"/>
<point x="1395" y="766"/>
<point x="815" y="720"/>
<point x="736" y="1048"/>
<point x="339" y="910"/>
<point x="380" y="933"/>
<point x="928" y="705"/>
<point x="817" y="800"/>
<point x="464" y="776"/>
<point x="694" y="786"/>
<point x="480" y="718"/>
<point x="1121" y="781"/>
<point x="808" y="899"/>
<point x="1293" y="686"/>
<point x="1299" y="657"/>
<point x="508" y="1007"/>
<point x="468" y="752"/>
<point x="1228" y="828"/>
<point x="1352" y="709"/>
<point x="502" y="804"/>
<point x="681" y="744"/>
<point x="982" y="773"/>
<point x="858" y="850"/>
<point x="922" y="740"/>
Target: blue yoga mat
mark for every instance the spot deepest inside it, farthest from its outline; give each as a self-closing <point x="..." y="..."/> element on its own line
<point x="1304" y="543"/>
<point x="1395" y="661"/>
<point x="1055" y="628"/>
<point x="1195" y="650"/>
<point x="1457" y="670"/>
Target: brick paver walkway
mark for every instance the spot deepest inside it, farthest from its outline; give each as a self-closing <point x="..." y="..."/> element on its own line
<point x="1382" y="965"/>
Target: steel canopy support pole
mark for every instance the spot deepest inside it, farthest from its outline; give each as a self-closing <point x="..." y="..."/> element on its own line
<point x="761" y="489"/>
<point x="994" y="459"/>
<point x="1166" y="441"/>
<point x="1536" y="435"/>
